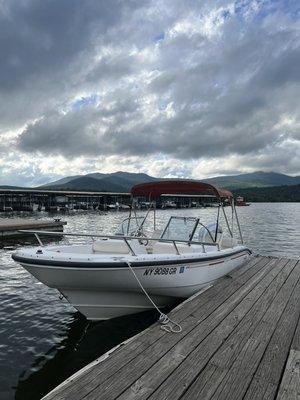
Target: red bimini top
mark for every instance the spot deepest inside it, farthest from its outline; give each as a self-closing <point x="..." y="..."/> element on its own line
<point x="153" y="190"/>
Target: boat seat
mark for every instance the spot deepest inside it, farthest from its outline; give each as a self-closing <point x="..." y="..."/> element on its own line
<point x="110" y="247"/>
<point x="137" y="247"/>
<point x="163" y="248"/>
<point x="185" y="248"/>
<point x="168" y="248"/>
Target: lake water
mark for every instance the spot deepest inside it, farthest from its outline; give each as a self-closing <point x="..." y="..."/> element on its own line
<point x="43" y="340"/>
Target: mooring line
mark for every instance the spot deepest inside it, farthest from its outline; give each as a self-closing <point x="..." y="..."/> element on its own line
<point x="167" y="324"/>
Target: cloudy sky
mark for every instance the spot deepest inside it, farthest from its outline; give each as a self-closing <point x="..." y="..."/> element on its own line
<point x="188" y="88"/>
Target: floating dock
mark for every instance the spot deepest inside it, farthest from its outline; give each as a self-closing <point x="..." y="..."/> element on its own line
<point x="9" y="227"/>
<point x="240" y="339"/>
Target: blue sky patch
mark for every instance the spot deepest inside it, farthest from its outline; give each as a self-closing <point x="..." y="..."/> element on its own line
<point x="159" y="37"/>
<point x="85" y="101"/>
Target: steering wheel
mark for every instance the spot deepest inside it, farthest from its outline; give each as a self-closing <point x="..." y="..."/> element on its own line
<point x="140" y="234"/>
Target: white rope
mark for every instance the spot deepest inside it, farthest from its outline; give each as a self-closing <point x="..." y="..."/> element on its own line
<point x="168" y="324"/>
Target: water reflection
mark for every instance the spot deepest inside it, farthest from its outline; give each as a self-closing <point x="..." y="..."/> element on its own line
<point x="82" y="342"/>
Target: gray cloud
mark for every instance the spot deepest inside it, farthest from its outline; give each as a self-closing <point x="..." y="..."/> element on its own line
<point x="186" y="81"/>
<point x="47" y="50"/>
<point x="41" y="38"/>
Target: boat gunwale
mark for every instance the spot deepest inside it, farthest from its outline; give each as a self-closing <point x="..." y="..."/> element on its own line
<point x="123" y="264"/>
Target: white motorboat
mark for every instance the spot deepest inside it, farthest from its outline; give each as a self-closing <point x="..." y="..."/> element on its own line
<point x="103" y="279"/>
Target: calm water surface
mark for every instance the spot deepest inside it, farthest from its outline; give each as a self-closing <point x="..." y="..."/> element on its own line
<point x="43" y="339"/>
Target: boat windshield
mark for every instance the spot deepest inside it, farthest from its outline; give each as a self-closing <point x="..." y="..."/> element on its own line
<point x="179" y="228"/>
<point x="130" y="226"/>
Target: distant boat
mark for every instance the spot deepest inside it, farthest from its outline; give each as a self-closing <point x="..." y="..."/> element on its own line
<point x="240" y="202"/>
<point x="112" y="207"/>
<point x="123" y="207"/>
<point x="169" y="204"/>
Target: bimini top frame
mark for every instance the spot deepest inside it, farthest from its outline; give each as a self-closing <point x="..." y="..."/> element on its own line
<point x="153" y="190"/>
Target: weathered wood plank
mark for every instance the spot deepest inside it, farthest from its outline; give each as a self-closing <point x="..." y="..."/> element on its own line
<point x="290" y="385"/>
<point x="230" y="352"/>
<point x="296" y="339"/>
<point x="186" y="342"/>
<point x="9" y="227"/>
<point x="240" y="373"/>
<point x="223" y="289"/>
<point x="258" y="300"/>
<point x="268" y="375"/>
<point x="149" y="379"/>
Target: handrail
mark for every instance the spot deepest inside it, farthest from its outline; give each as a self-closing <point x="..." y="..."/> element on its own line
<point x="130" y="248"/>
<point x="176" y="248"/>
<point x="117" y="237"/>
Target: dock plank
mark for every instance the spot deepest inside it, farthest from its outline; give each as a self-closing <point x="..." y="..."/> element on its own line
<point x="296" y="339"/>
<point x="9" y="227"/>
<point x="217" y="368"/>
<point x="258" y="300"/>
<point x="242" y="353"/>
<point x="240" y="337"/>
<point x="222" y="321"/>
<point x="251" y="356"/>
<point x="290" y="386"/>
<point x="271" y="367"/>
<point x="210" y="300"/>
<point x="138" y="364"/>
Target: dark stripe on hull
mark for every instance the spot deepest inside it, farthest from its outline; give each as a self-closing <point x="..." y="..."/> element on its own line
<point x="149" y="263"/>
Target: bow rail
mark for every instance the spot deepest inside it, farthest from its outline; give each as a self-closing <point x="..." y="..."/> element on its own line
<point x="125" y="238"/>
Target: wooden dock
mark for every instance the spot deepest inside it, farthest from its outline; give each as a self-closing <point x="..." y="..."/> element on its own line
<point x="240" y="340"/>
<point x="9" y="227"/>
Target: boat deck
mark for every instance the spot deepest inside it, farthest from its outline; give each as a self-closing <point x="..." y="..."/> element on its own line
<point x="9" y="227"/>
<point x="240" y="339"/>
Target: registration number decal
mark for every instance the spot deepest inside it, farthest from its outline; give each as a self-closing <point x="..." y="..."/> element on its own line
<point x="164" y="271"/>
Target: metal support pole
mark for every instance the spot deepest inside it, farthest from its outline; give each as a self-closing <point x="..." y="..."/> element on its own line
<point x="129" y="219"/>
<point x="130" y="248"/>
<point x="238" y="224"/>
<point x="232" y="216"/>
<point x="193" y="231"/>
<point x="226" y="219"/>
<point x="38" y="239"/>
<point x="217" y="226"/>
<point x="176" y="248"/>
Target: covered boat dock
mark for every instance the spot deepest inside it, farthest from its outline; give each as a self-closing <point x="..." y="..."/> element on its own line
<point x="13" y="199"/>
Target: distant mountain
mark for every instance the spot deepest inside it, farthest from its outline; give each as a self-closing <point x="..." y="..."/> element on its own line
<point x="115" y="182"/>
<point x="255" y="179"/>
<point x="61" y="181"/>
<point x="12" y="187"/>
<point x="257" y="186"/>
<point x="97" y="175"/>
<point x="123" y="181"/>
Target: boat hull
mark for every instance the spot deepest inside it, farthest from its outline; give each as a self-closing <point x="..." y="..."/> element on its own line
<point x="108" y="292"/>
